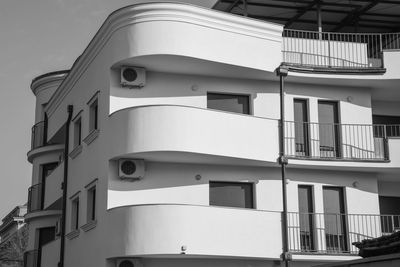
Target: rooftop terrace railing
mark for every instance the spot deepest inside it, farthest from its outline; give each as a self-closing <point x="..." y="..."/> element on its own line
<point x="329" y="233"/>
<point x="338" y="141"/>
<point x="337" y="50"/>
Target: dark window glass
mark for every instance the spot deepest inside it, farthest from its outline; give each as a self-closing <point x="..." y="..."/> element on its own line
<point x="328" y="119"/>
<point x="301" y="127"/>
<point x="75" y="214"/>
<point x="93" y="122"/>
<point x="335" y="219"/>
<point x="231" y="103"/>
<point x="389" y="206"/>
<point x="231" y="194"/>
<point x="78" y="132"/>
<point x="91" y="204"/>
<point x="306" y="217"/>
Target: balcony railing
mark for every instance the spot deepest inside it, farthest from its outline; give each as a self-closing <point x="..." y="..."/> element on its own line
<point x="35" y="198"/>
<point x="337" y="50"/>
<point x="38" y="135"/>
<point x="335" y="233"/>
<point x="31" y="258"/>
<point x="338" y="141"/>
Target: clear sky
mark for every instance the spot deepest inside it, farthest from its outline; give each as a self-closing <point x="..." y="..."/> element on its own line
<point x="38" y="36"/>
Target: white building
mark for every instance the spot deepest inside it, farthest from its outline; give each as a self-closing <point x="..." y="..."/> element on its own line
<point x="170" y="118"/>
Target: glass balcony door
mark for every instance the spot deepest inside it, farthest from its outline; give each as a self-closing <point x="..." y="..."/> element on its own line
<point x="329" y="133"/>
<point x="335" y="220"/>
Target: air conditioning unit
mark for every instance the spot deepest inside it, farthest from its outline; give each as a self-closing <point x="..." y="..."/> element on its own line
<point x="129" y="263"/>
<point x="131" y="169"/>
<point x="58" y="228"/>
<point x="133" y="77"/>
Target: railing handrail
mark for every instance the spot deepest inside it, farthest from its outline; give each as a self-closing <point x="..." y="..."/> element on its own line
<point x="342" y="33"/>
<point x="342" y="214"/>
<point x="345" y="124"/>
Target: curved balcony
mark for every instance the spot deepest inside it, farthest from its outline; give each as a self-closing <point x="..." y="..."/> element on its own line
<point x="189" y="134"/>
<point x="193" y="231"/>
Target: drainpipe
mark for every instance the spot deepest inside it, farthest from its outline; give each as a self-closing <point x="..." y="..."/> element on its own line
<point x="282" y="72"/>
<point x="64" y="187"/>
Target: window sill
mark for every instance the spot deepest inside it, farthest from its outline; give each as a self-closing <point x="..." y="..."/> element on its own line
<point x="91" y="136"/>
<point x="75" y="152"/>
<point x="73" y="234"/>
<point x="89" y="225"/>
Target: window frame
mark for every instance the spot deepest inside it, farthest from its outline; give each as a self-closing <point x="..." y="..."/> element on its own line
<point x="248" y="95"/>
<point x="252" y="188"/>
<point x="74" y="212"/>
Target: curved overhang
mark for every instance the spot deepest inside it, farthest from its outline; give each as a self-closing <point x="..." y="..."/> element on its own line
<point x="192" y="32"/>
<point x="175" y="133"/>
<point x="204" y="231"/>
<point x="47" y="80"/>
<point x="44" y="150"/>
<point x="43" y="214"/>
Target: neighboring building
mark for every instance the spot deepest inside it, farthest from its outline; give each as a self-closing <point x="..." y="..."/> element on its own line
<point x="382" y="251"/>
<point x="170" y="118"/>
<point x="13" y="237"/>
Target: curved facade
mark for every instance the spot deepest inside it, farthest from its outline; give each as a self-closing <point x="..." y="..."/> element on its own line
<point x="185" y="168"/>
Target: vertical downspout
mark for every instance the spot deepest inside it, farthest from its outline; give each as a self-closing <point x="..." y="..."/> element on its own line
<point x="286" y="257"/>
<point x="64" y="187"/>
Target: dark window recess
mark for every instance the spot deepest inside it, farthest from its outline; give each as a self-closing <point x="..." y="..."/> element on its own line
<point x="328" y="118"/>
<point x="389" y="206"/>
<point x="231" y="194"/>
<point x="392" y="125"/>
<point x="75" y="214"/>
<point x="93" y="122"/>
<point x="301" y="127"/>
<point x="306" y="218"/>
<point x="228" y="102"/>
<point x="78" y="132"/>
<point x="335" y="219"/>
<point x="91" y="205"/>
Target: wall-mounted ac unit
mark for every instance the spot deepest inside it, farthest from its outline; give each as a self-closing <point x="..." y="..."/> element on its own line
<point x="131" y="169"/>
<point x="133" y="77"/>
<point x="129" y="263"/>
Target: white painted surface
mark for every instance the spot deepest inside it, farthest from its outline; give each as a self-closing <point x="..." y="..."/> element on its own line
<point x="205" y="231"/>
<point x="192" y="130"/>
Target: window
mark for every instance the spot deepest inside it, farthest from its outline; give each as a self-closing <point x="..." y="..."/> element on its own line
<point x="93" y="116"/>
<point x="306" y="217"/>
<point x="78" y="132"/>
<point x="91" y="204"/>
<point x="301" y="127"/>
<point x="231" y="194"/>
<point x="229" y="102"/>
<point x="335" y="219"/>
<point x="75" y="214"/>
<point x="328" y="118"/>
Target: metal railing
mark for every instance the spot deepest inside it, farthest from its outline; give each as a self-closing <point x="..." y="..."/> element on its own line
<point x="335" y="233"/>
<point x="31" y="258"/>
<point x="338" y="141"/>
<point x="337" y="50"/>
<point x="38" y="135"/>
<point x="35" y="198"/>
